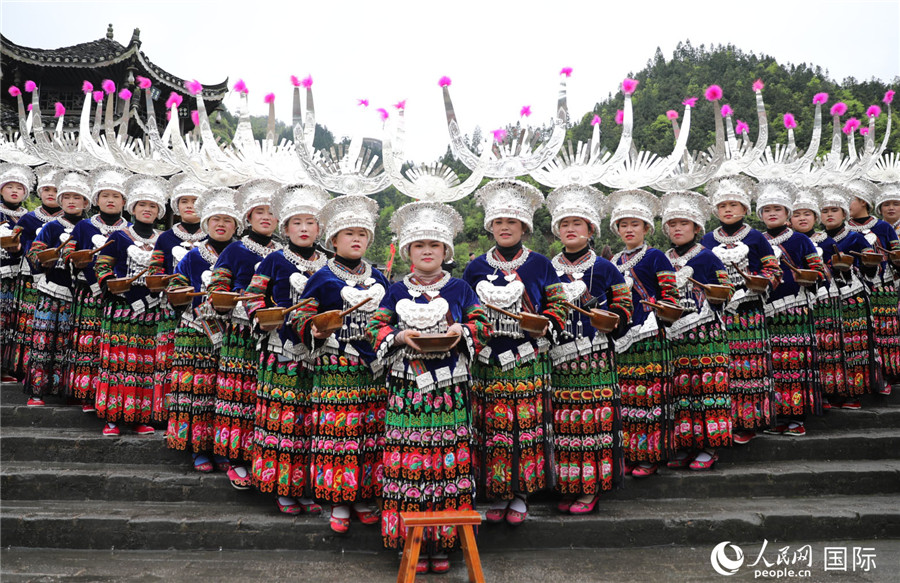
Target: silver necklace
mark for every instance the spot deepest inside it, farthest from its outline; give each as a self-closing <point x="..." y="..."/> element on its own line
<point x="681" y="261"/>
<point x="120" y="225"/>
<point x="641" y="251"/>
<point x="818" y="236"/>
<point x="148" y="242"/>
<point x="257" y="248"/>
<point x="66" y="223"/>
<point x="840" y="236"/>
<point x="208" y="254"/>
<point x="431" y="287"/>
<point x="570" y="268"/>
<point x="780" y="238"/>
<point x="507" y="265"/>
<point x="45" y="217"/>
<point x="722" y="238"/>
<point x="863" y="228"/>
<point x="350" y="278"/>
<point x="183" y="234"/>
<point x="14" y="214"/>
<point x="305" y="265"/>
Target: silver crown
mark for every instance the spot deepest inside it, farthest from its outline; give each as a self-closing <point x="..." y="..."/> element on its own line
<point x="835" y="195"/>
<point x="735" y="188"/>
<point x="511" y="199"/>
<point x="886" y="168"/>
<point x="219" y="200"/>
<point x="863" y="190"/>
<point x="48" y="176"/>
<point x="108" y="178"/>
<point x="888" y="191"/>
<point x="141" y="187"/>
<point x="348" y="212"/>
<point x="256" y="193"/>
<point x="684" y="204"/>
<point x="632" y="204"/>
<point x="575" y="200"/>
<point x="298" y="199"/>
<point x="520" y="157"/>
<point x="807" y="199"/>
<point x="183" y="185"/>
<point x="74" y="181"/>
<point x="426" y="221"/>
<point x="774" y="192"/>
<point x="17" y="173"/>
<point x="787" y="161"/>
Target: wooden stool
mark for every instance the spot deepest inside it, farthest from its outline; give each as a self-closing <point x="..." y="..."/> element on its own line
<point x="416" y="522"/>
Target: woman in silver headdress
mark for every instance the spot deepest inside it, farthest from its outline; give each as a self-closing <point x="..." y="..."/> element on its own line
<point x="587" y="412"/>
<point x="511" y="378"/>
<point x="427" y="455"/>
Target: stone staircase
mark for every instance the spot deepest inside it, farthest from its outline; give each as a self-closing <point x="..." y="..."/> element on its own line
<point x="64" y="486"/>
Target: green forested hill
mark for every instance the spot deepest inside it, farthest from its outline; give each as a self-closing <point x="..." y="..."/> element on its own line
<point x="664" y="84"/>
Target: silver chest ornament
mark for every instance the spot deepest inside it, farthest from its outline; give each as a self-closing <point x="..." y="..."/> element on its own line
<point x="574" y="289"/>
<point x="205" y="279"/>
<point x="355" y="323"/>
<point x="508" y="297"/>
<point x="98" y="240"/>
<point x="179" y="251"/>
<point x="738" y="255"/>
<point x="138" y="259"/>
<point x="426" y="317"/>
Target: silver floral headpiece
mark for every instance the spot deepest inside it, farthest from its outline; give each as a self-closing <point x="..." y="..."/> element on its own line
<point x="735" y="188"/>
<point x="17" y="173"/>
<point x="684" y="204"/>
<point x="48" y="175"/>
<point x="183" y="185"/>
<point x="74" y="181"/>
<point x="141" y="187"/>
<point x="835" y="195"/>
<point x="108" y="178"/>
<point x="348" y="212"/>
<point x="219" y="200"/>
<point x="807" y="199"/>
<point x="509" y="198"/>
<point x="888" y="191"/>
<point x="258" y="192"/>
<point x="426" y="221"/>
<point x="575" y="200"/>
<point x="298" y="199"/>
<point x="774" y="192"/>
<point x="632" y="204"/>
<point x="863" y="190"/>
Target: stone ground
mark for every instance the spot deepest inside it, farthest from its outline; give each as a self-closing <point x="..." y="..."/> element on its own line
<point x="626" y="565"/>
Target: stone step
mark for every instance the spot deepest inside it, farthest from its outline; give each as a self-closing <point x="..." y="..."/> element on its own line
<point x="178" y="483"/>
<point x="78" y="445"/>
<point x="619" y="523"/>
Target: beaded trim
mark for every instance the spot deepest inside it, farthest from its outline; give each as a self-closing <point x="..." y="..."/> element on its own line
<point x="641" y="251"/>
<point x="583" y="263"/>
<point x="780" y="238"/>
<point x="431" y="287"/>
<point x="350" y="278"/>
<point x="120" y="225"/>
<point x="182" y="234"/>
<point x="257" y="248"/>
<point x="14" y="214"/>
<point x="150" y="242"/>
<point x="507" y="265"/>
<point x="724" y="239"/>
<point x="43" y="216"/>
<point x="863" y="228"/>
<point x="680" y="261"/>
<point x="208" y="254"/>
<point x="305" y="265"/>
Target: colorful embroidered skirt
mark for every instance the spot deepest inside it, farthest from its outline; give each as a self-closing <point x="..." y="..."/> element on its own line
<point x="347" y="434"/>
<point x="587" y="424"/>
<point x="794" y="363"/>
<point x="165" y="350"/>
<point x="7" y="317"/>
<point x="282" y="426"/>
<point x="858" y="354"/>
<point x="644" y="379"/>
<point x="886" y="328"/>
<point x="191" y="403"/>
<point x="235" y="393"/>
<point x="427" y="459"/>
<point x="127" y="348"/>
<point x="17" y="355"/>
<point x="827" y="324"/>
<point x="511" y="416"/>
<point x="50" y="346"/>
<point x="750" y="373"/>
<point x="84" y="358"/>
<point x="701" y="400"/>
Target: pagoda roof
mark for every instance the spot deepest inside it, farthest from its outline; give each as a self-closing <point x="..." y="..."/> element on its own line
<point x="103" y="52"/>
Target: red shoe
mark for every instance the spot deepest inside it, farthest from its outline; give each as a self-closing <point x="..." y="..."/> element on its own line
<point x="367" y="517"/>
<point x="8" y="378"/>
<point x="644" y="472"/>
<point x="744" y="437"/>
<point x="854" y="405"/>
<point x="565" y="504"/>
<point x="514" y="517"/>
<point x="292" y="508"/>
<point x="439" y="566"/>
<point x="827" y="406"/>
<point x="237" y="481"/>
<point x="142" y="429"/>
<point x="342" y="525"/>
<point x="88" y="409"/>
<point x="311" y="508"/>
<point x="885" y="390"/>
<point x="421" y="566"/>
<point x="628" y="469"/>
<point x="111" y="431"/>
<point x="579" y="507"/>
<point x="496" y="515"/>
<point x="777" y="430"/>
<point x="35" y="402"/>
<point x="798" y="431"/>
<point x="202" y="463"/>
<point x="698" y="465"/>
<point x="679" y="462"/>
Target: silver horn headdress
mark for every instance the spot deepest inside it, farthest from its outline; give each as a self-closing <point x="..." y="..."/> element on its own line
<point x="785" y="161"/>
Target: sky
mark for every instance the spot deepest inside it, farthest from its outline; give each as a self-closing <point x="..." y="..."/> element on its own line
<point x="500" y="55"/>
